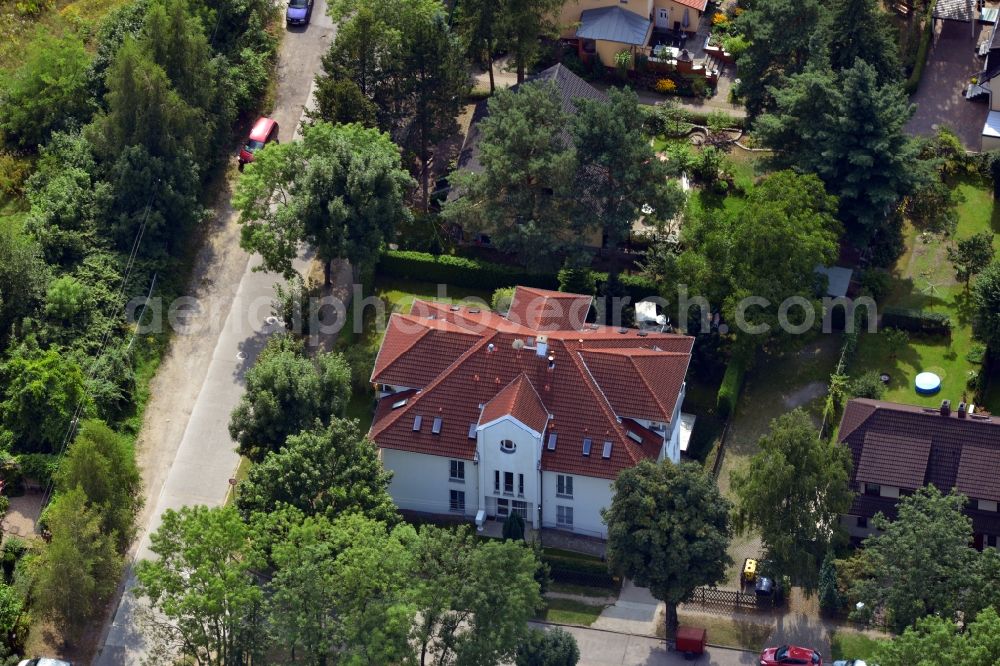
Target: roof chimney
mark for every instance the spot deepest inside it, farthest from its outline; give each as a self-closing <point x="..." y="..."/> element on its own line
<point x="552" y="361"/>
<point x="489" y="347"/>
<point x="946" y="408"/>
<point x="961" y="410"/>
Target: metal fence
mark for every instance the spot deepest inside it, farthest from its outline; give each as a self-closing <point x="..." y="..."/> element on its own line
<point x="711" y="596"/>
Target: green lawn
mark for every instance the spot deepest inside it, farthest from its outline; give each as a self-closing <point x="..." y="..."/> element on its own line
<point x="847" y="644"/>
<point x="924" y="278"/>
<point x="751" y="633"/>
<point x="583" y="590"/>
<point x="570" y="611"/>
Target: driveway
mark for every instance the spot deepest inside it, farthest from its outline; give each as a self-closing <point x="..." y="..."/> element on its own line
<point x="185" y="451"/>
<point x="939" y="99"/>
<point x="604" y="648"/>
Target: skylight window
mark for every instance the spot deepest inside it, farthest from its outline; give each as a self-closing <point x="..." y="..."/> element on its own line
<point x="586" y="446"/>
<point x="436" y="427"/>
<point x="552" y="441"/>
<point x="472" y="430"/>
<point x="417" y="421"/>
<point x="634" y="436"/>
<point x="607" y="450"/>
<point x="399" y="403"/>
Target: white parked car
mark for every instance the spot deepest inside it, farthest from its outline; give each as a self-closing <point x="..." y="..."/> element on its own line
<point x="44" y="661"/>
<point x="850" y="662"/>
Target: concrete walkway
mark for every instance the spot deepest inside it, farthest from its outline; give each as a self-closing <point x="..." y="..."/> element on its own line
<point x="604" y="648"/>
<point x="635" y="612"/>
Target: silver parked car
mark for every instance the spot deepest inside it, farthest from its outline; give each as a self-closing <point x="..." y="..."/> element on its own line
<point x="44" y="661"/>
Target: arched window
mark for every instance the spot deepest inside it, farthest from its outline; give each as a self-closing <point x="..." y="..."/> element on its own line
<point x="507" y="446"/>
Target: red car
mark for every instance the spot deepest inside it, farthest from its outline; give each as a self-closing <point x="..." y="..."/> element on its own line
<point x="264" y="131"/>
<point x="790" y="654"/>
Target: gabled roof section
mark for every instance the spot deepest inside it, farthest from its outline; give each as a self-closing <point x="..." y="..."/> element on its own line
<point x="909" y="446"/>
<point x="520" y="400"/>
<point x="544" y="310"/>
<point x="638" y="382"/>
<point x="700" y="5"/>
<point x="614" y="24"/>
<point x="893" y="459"/>
<point x="415" y="350"/>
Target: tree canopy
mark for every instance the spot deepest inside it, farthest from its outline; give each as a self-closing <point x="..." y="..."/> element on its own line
<point x="793" y="491"/>
<point x="937" y="640"/>
<point x="324" y="470"/>
<point x="986" y="297"/>
<point x="668" y="530"/>
<point x="340" y="189"/>
<point x="286" y="393"/>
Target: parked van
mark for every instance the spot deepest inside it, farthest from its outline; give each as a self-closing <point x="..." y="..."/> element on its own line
<point x="264" y="131"/>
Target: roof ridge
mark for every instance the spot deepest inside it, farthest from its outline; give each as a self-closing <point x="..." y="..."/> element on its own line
<point x="378" y="428"/>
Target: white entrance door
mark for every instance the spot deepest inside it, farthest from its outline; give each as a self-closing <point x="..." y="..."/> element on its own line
<point x="663" y="18"/>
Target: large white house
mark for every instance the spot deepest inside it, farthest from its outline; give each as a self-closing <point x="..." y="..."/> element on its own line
<point x="535" y="412"/>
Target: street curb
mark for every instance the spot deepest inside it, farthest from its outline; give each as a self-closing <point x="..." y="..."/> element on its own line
<point x="625" y="633"/>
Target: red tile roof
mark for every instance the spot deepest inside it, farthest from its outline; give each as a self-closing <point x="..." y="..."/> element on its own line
<point x="700" y="5"/>
<point x="499" y="367"/>
<point x="414" y="351"/>
<point x="520" y="400"/>
<point x="544" y="310"/>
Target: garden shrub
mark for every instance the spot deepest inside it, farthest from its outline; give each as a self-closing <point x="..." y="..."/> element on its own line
<point x="868" y="385"/>
<point x="580" y="570"/>
<point x="732" y="384"/>
<point x="666" y="86"/>
<point x="500" y="301"/>
<point x="38" y="467"/>
<point x="913" y="82"/>
<point x="916" y="321"/>
<point x="459" y="271"/>
<point x="14" y="172"/>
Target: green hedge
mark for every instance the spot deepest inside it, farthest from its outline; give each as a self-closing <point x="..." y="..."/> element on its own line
<point x="732" y="384"/>
<point x="40" y="467"/>
<point x="578" y="570"/>
<point x="478" y="274"/>
<point x="458" y="271"/>
<point x="916" y="321"/>
<point x="923" y="49"/>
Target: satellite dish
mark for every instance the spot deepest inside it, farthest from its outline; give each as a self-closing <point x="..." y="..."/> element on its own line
<point x="518" y="344"/>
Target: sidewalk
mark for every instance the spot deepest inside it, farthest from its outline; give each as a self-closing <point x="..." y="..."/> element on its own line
<point x="635" y="612"/>
<point x="603" y="648"/>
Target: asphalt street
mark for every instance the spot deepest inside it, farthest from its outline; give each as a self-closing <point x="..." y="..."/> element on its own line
<point x="206" y="458"/>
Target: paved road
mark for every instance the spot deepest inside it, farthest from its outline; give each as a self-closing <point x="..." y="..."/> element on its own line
<point x="205" y="458"/>
<point x="604" y="648"/>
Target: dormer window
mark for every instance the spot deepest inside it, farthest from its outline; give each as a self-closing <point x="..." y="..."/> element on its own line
<point x="507" y="446"/>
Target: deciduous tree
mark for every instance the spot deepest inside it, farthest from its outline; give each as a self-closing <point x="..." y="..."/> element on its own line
<point x="46" y="93"/>
<point x="919" y="564"/>
<point x="668" y="530"/>
<point x="552" y="647"/>
<point x="986" y="297"/>
<point x="326" y="471"/>
<point x="23" y="279"/>
<point x="793" y="491"/>
<point x="937" y="640"/>
<point x="971" y="255"/>
<point x="523" y="22"/>
<point x="340" y="189"/>
<point x="286" y="393"/>
<point x="203" y="582"/>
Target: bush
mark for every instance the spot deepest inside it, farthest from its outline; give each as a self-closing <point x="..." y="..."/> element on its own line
<point x="14" y="172"/>
<point x="916" y="321"/>
<point x="361" y="360"/>
<point x="735" y="45"/>
<point x="500" y="301"/>
<point x="875" y="283"/>
<point x="869" y="385"/>
<point x="555" y="647"/>
<point x="977" y="354"/>
<point x="38" y="467"/>
<point x="732" y="384"/>
<point x="579" y="570"/>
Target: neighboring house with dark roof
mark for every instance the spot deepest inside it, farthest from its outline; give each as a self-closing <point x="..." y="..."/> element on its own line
<point x="897" y="449"/>
<point x="533" y="412"/>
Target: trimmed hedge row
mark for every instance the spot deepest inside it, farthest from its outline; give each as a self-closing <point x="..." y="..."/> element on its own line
<point x="732" y="384"/>
<point x="923" y="49"/>
<point x="578" y="571"/>
<point x="478" y="274"/>
<point x="916" y="321"/>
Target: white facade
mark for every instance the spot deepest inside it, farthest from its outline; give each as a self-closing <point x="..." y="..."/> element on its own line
<point x="510" y="461"/>
<point x="422" y="482"/>
<point x="589" y="496"/>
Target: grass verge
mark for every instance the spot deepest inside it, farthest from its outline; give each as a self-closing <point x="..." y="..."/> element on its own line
<point x="846" y="644"/>
<point x="570" y="611"/>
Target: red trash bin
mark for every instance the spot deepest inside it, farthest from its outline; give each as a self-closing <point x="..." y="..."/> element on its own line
<point x="691" y="640"/>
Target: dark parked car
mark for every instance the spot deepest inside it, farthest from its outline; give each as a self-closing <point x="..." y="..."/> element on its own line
<point x="298" y="12"/>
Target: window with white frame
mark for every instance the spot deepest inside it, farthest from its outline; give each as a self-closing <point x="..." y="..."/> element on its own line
<point x="564" y="485"/>
<point x="520" y="485"/>
<point x="564" y="516"/>
<point x="508" y="483"/>
<point x="457" y="471"/>
<point x="456" y="501"/>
